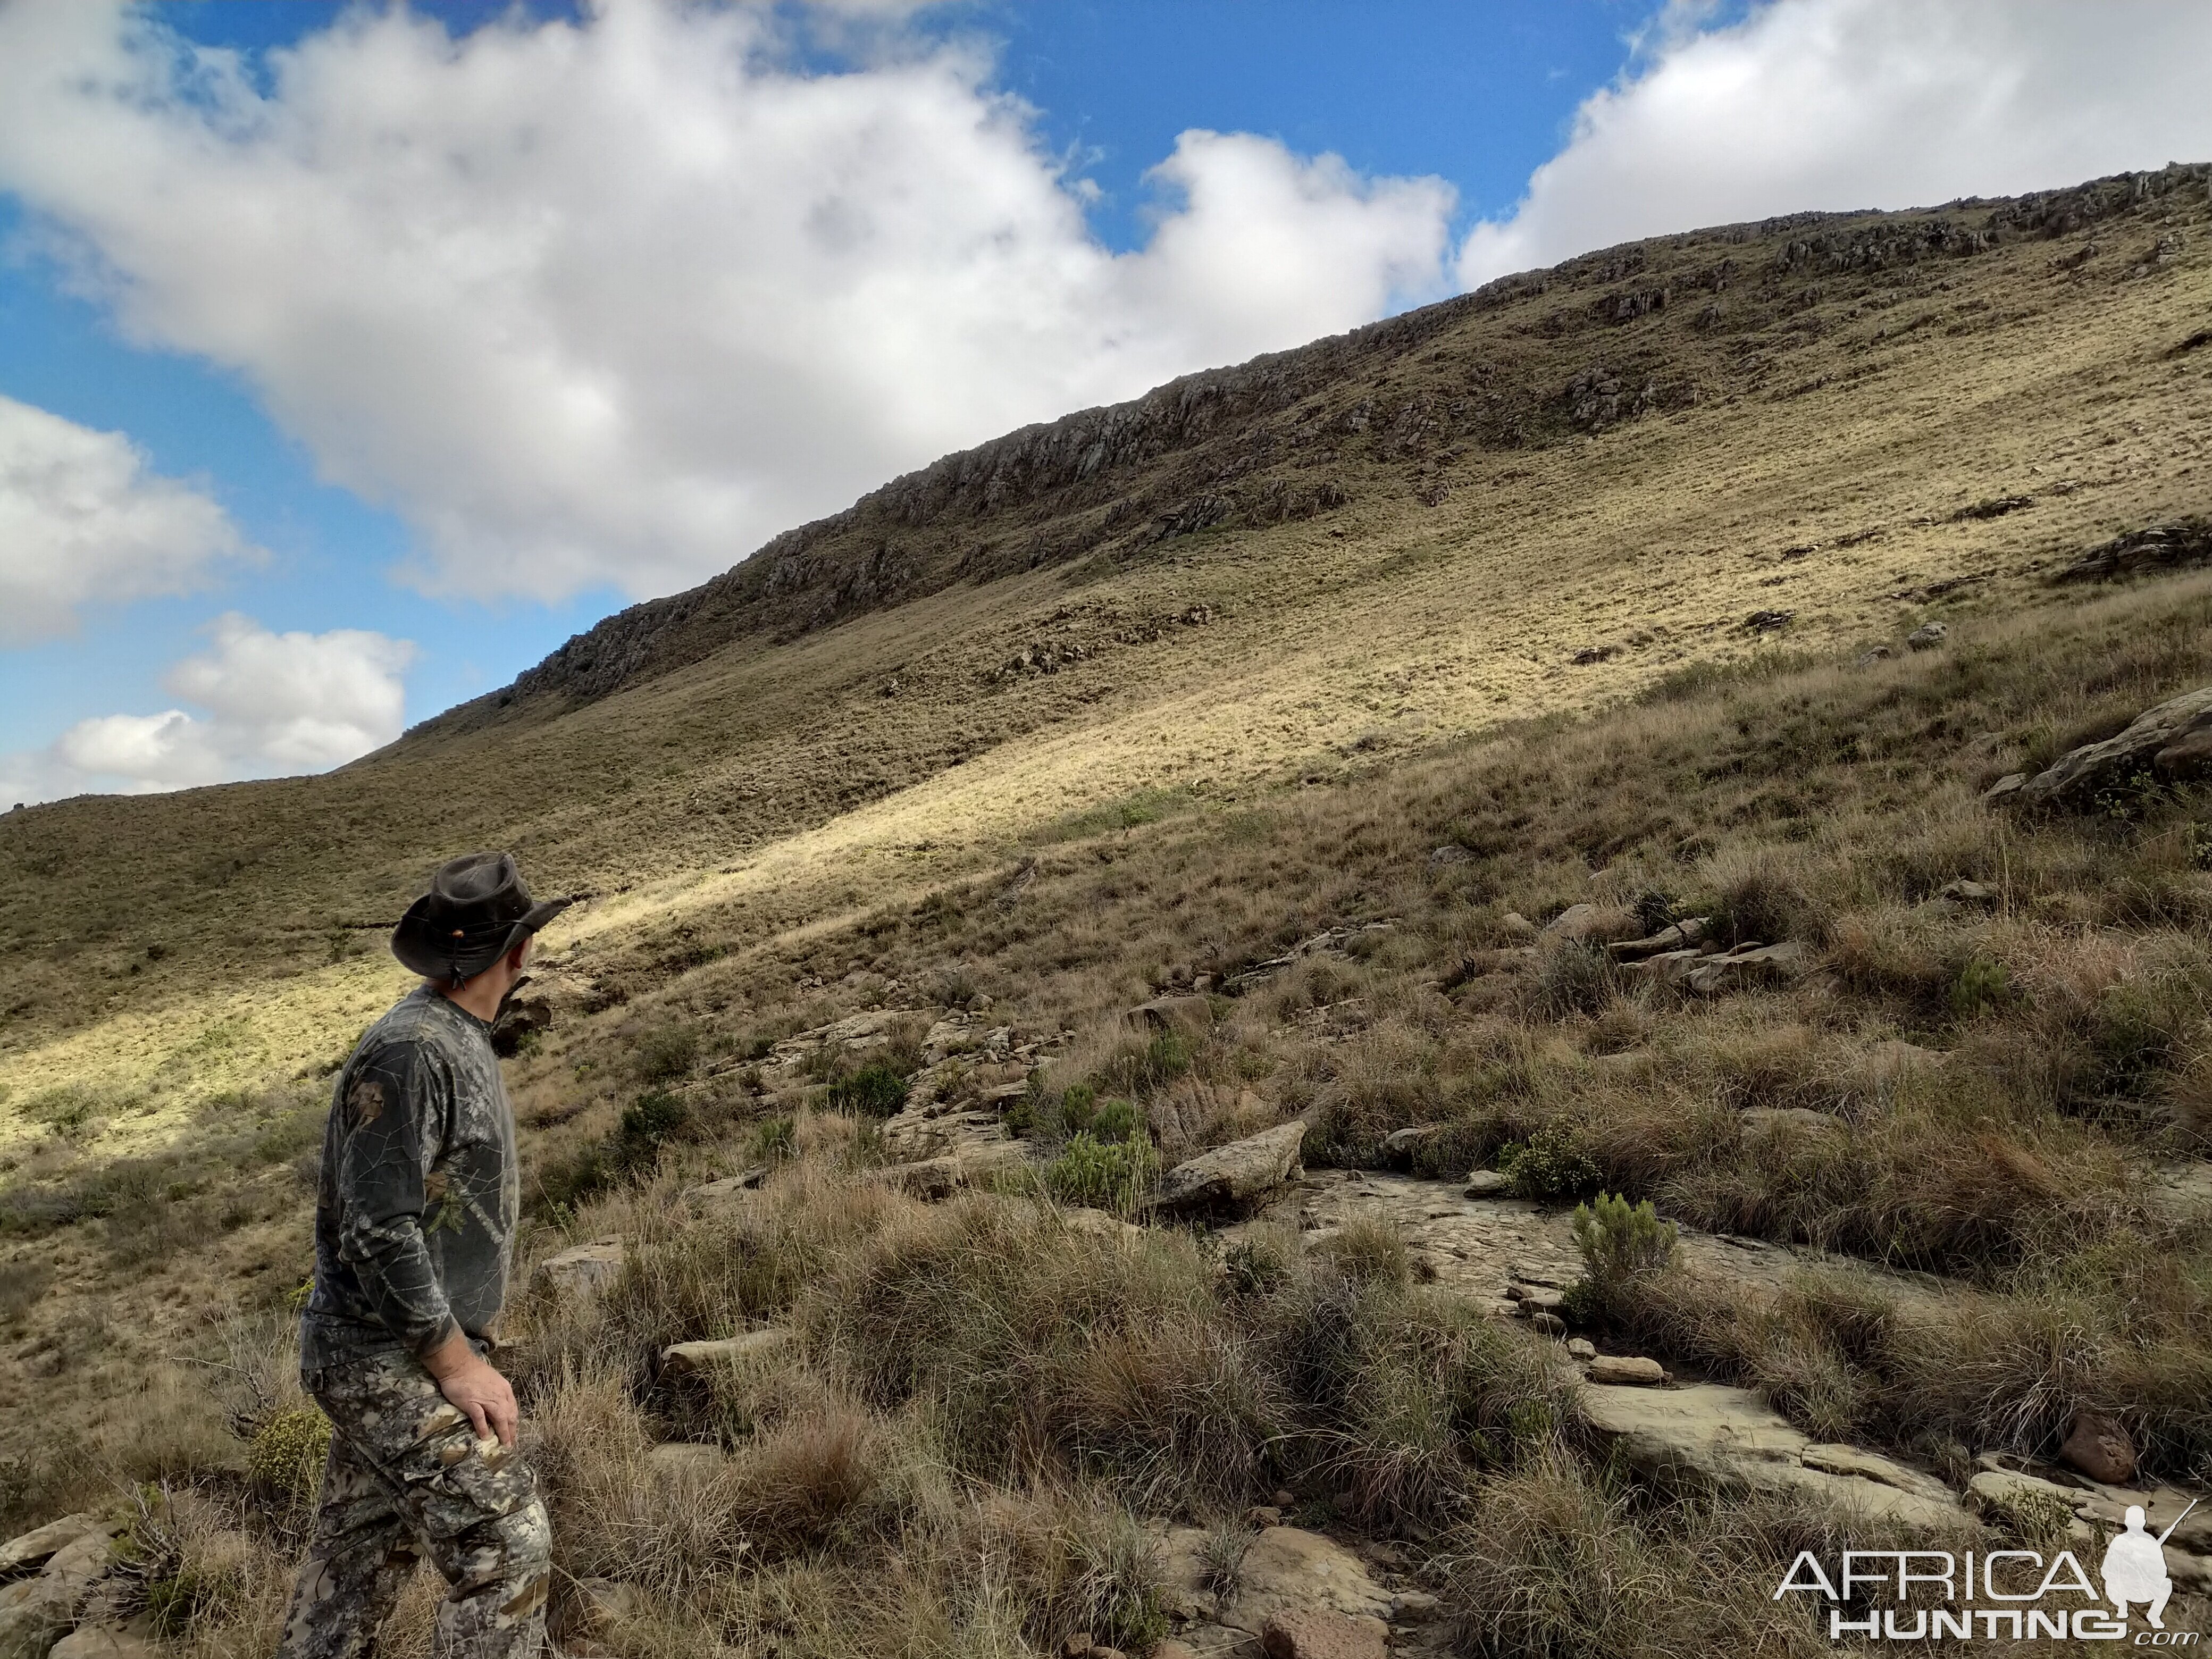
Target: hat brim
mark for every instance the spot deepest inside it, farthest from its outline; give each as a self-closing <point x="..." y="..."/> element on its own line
<point x="411" y="944"/>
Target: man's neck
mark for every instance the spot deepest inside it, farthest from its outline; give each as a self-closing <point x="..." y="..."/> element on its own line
<point x="480" y="996"/>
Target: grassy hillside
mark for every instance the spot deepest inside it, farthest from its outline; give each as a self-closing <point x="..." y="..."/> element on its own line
<point x="1860" y="420"/>
<point x="1322" y="773"/>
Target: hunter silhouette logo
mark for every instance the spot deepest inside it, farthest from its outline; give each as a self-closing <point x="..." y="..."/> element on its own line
<point x="1991" y="1598"/>
<point x="2134" y="1567"/>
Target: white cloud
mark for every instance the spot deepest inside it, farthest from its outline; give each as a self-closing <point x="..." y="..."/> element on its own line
<point x="1843" y="104"/>
<point x="275" y="704"/>
<point x="617" y="302"/>
<point x="82" y="520"/>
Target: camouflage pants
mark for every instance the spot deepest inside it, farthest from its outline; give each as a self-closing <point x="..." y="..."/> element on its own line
<point x="406" y="1477"/>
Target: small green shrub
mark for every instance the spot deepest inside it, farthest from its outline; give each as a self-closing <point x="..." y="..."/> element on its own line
<point x="1104" y="1175"/>
<point x="1620" y="1242"/>
<point x="1116" y="1120"/>
<point x="2038" y="1520"/>
<point x="776" y="1138"/>
<point x="646" y="1122"/>
<point x="1550" y="1165"/>
<point x="284" y="1459"/>
<point x="1981" y="984"/>
<point x="1254" y="1267"/>
<point x="1077" y="1103"/>
<point x="666" y="1054"/>
<point x="875" y="1090"/>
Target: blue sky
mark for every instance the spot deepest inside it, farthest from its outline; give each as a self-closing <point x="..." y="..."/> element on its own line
<point x="343" y="427"/>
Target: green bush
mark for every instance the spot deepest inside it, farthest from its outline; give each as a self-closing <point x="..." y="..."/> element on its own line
<point x="1104" y="1175"/>
<point x="1982" y="983"/>
<point x="284" y="1459"/>
<point x="1550" y="1165"/>
<point x="665" y="1056"/>
<point x="875" y="1090"/>
<point x="1620" y="1242"/>
<point x="646" y="1122"/>
<point x="1116" y="1120"/>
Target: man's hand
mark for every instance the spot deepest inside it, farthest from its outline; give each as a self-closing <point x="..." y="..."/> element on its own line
<point x="474" y="1387"/>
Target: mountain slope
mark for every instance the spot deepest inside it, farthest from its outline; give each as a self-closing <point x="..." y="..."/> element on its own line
<point x="1530" y="499"/>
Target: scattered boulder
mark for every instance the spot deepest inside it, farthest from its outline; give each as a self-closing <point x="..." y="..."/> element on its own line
<point x="1868" y="658"/>
<point x="1449" y="853"/>
<point x="1711" y="1438"/>
<point x="1583" y="1348"/>
<point x="1964" y="892"/>
<point x="1684" y="935"/>
<point x="935" y="1178"/>
<point x="714" y="1194"/>
<point x="686" y="1459"/>
<point x="2167" y="743"/>
<point x="1765" y="621"/>
<point x="1577" y="922"/>
<point x="690" y="1358"/>
<point x="1516" y="925"/>
<point x="523" y="1016"/>
<point x="1191" y="1015"/>
<point x="1311" y="1633"/>
<point x="1626" y="1370"/>
<point x="582" y="1272"/>
<point x="1235" y="1174"/>
<point x="2100" y="1447"/>
<point x="36" y="1612"/>
<point x="1489" y="1184"/>
<point x="1289" y="1569"/>
<point x="1927" y="636"/>
<point x="34" y="1549"/>
<point x="2159" y="547"/>
<point x="1401" y="1145"/>
<point x="1546" y="1323"/>
<point x="1747" y="965"/>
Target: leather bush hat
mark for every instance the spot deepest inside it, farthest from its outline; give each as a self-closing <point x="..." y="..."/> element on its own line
<point x="476" y="912"/>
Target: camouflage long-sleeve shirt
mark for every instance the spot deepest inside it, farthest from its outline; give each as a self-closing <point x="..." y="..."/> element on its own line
<point x="416" y="1211"/>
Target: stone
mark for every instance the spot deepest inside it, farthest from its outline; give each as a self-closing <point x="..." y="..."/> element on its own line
<point x="1927" y="636"/>
<point x="1310" y="1633"/>
<point x="1670" y="967"/>
<point x="691" y="1358"/>
<point x="686" y="1459"/>
<point x="1765" y="621"/>
<point x="1400" y="1144"/>
<point x="1708" y="1437"/>
<point x="1963" y="891"/>
<point x="1577" y="922"/>
<point x="604" y="1603"/>
<point x="1192" y="1015"/>
<point x="103" y="1642"/>
<point x="1514" y="925"/>
<point x="1536" y="1300"/>
<point x="1747" y="965"/>
<point x="523" y="1016"/>
<point x="1172" y="1649"/>
<point x="36" y="1612"/>
<point x="581" y="1272"/>
<point x="730" y="1189"/>
<point x="1449" y="853"/>
<point x="34" y="1549"/>
<point x="1868" y="658"/>
<point x="1489" y="1184"/>
<point x="2100" y="1447"/>
<point x="1998" y="1492"/>
<point x="1546" y="1324"/>
<point x="1284" y="1499"/>
<point x="1683" y="935"/>
<point x="1077" y="1644"/>
<point x="2159" y="547"/>
<point x="1625" y="1371"/>
<point x="971" y="1166"/>
<point x="1414" y="1604"/>
<point x="2001" y="793"/>
<point x="2169" y="743"/>
<point x="1235" y="1174"/>
<point x="1097" y="1223"/>
<point x="1582" y="1347"/>
<point x="1288" y="1569"/>
<point x="1263" y="1514"/>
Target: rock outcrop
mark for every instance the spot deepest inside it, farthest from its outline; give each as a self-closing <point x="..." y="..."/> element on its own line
<point x="1236" y="1174"/>
<point x="2174" y="546"/>
<point x="2169" y="744"/>
<point x="1711" y="1438"/>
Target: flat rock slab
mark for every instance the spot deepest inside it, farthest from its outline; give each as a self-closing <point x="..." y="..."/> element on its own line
<point x="1291" y="1570"/>
<point x="34" y="1549"/>
<point x="1477" y="1246"/>
<point x="1313" y="1634"/>
<point x="1627" y="1371"/>
<point x="691" y="1358"/>
<point x="103" y="1642"/>
<point x="583" y="1271"/>
<point x="1711" y="1438"/>
<point x="970" y="1166"/>
<point x="1235" y="1174"/>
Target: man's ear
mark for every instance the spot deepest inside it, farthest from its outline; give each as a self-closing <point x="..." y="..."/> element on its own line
<point x="520" y="954"/>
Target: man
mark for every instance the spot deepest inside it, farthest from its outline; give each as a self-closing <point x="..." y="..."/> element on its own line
<point x="415" y="1220"/>
<point x="2134" y="1567"/>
